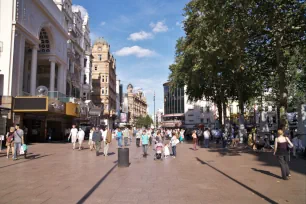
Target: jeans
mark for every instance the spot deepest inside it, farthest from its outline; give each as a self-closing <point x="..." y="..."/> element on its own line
<point x="174" y="151"/>
<point x="283" y="160"/>
<point x="98" y="147"/>
<point x="126" y="139"/>
<point x="145" y="149"/>
<point x="120" y="141"/>
<point x="206" y="143"/>
<point x="16" y="149"/>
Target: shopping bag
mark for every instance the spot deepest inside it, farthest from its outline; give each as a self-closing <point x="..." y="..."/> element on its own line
<point x="25" y="147"/>
<point x="21" y="151"/>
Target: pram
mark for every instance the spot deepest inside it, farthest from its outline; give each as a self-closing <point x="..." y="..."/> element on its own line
<point x="159" y="151"/>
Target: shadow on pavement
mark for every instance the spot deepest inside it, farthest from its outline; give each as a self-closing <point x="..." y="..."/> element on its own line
<point x="238" y="182"/>
<point x="266" y="172"/>
<point x="267" y="158"/>
<point x="88" y="194"/>
<point x="29" y="158"/>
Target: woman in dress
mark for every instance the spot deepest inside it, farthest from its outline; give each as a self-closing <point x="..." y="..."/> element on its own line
<point x="281" y="151"/>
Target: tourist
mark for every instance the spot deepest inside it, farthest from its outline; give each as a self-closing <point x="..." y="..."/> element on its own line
<point x="206" y="138"/>
<point x="81" y="135"/>
<point x="182" y="137"/>
<point x="166" y="150"/>
<point x="10" y="142"/>
<point x="73" y="135"/>
<point x="144" y="143"/>
<point x="119" y="138"/>
<point x="138" y="137"/>
<point x="174" y="141"/>
<point x="126" y="136"/>
<point x="97" y="138"/>
<point x="297" y="145"/>
<point x="194" y="139"/>
<point x="281" y="151"/>
<point x="18" y="140"/>
<point x="104" y="135"/>
<point x="107" y="140"/>
<point x="91" y="143"/>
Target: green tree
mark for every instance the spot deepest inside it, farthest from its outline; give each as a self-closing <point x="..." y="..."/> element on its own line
<point x="144" y="121"/>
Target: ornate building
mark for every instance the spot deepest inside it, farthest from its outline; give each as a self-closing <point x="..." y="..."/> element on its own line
<point x="104" y="80"/>
<point x="137" y="104"/>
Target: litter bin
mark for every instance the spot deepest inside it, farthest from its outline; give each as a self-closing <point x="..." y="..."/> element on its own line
<point x="123" y="157"/>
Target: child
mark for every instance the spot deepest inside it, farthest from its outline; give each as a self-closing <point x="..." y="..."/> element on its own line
<point x="166" y="150"/>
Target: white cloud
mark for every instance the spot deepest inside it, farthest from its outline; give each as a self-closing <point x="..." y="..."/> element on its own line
<point x="159" y="27"/>
<point x="178" y="23"/>
<point x="102" y="23"/>
<point x="135" y="50"/>
<point x="76" y="8"/>
<point x="142" y="35"/>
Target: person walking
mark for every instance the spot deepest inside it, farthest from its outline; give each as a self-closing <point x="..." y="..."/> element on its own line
<point x="107" y="140"/>
<point x="194" y="140"/>
<point x="174" y="141"/>
<point x="119" y="138"/>
<point x="281" y="151"/>
<point x="10" y="142"/>
<point x="81" y="135"/>
<point x="126" y="136"/>
<point x="97" y="138"/>
<point x="104" y="135"/>
<point x="73" y="135"/>
<point x="138" y="137"/>
<point x="91" y="143"/>
<point x="144" y="142"/>
<point x="206" y="138"/>
<point x="18" y="141"/>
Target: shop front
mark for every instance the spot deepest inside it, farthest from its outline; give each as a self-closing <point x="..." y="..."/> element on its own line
<point x="6" y="116"/>
<point x="44" y="119"/>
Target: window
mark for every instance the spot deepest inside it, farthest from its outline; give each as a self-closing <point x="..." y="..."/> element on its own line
<point x="102" y="92"/>
<point x="103" y="78"/>
<point x="96" y="68"/>
<point x="100" y="57"/>
<point x="106" y="91"/>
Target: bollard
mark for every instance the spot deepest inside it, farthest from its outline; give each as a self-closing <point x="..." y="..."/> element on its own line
<point x="123" y="157"/>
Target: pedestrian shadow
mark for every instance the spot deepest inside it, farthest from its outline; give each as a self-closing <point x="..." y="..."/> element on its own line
<point x="27" y="159"/>
<point x="193" y="149"/>
<point x="111" y="153"/>
<point x="269" y="200"/>
<point x="267" y="173"/>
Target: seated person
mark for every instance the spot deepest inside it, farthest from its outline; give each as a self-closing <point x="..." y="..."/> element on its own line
<point x="297" y="145"/>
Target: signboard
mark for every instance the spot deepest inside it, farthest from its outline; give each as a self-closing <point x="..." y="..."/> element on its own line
<point x="56" y="106"/>
<point x="72" y="109"/>
<point x="123" y="117"/>
<point x="31" y="104"/>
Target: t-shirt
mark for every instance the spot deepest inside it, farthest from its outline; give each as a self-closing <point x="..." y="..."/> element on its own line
<point x="206" y="134"/>
<point x="119" y="134"/>
<point x="18" y="134"/>
<point x="144" y="139"/>
<point x="74" y="132"/>
<point x="104" y="134"/>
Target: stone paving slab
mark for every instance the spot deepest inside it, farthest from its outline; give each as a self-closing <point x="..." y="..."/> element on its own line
<point x="57" y="174"/>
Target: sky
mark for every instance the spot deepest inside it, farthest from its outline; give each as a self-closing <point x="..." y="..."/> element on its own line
<point x="142" y="35"/>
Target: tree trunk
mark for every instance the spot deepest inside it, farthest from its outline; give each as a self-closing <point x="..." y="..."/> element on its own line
<point x="224" y="106"/>
<point x="241" y="117"/>
<point x="219" y="106"/>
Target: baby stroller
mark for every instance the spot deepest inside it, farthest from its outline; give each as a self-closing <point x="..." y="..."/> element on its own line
<point x="159" y="151"/>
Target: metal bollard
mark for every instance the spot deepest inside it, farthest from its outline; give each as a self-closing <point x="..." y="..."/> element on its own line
<point x="123" y="157"/>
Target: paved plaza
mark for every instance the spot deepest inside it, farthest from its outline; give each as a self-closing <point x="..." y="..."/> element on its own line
<point x="54" y="173"/>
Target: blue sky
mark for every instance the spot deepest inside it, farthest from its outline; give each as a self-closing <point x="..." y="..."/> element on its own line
<point x="142" y="35"/>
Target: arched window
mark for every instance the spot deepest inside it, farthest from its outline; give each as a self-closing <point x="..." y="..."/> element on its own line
<point x="102" y="91"/>
<point x="103" y="78"/>
<point x="44" y="45"/>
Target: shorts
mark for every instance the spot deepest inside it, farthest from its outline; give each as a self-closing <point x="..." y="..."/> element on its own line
<point x="10" y="144"/>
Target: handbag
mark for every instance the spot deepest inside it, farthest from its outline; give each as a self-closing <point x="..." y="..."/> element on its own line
<point x="21" y="151"/>
<point x="10" y="138"/>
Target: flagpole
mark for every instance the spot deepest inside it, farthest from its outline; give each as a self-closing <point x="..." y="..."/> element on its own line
<point x="154" y="112"/>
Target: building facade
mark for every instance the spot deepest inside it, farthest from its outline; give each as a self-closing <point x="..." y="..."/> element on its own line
<point x="137" y="104"/>
<point x="36" y="63"/>
<point x="104" y="81"/>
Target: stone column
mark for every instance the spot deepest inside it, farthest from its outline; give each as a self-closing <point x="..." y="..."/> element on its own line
<point x="52" y="76"/>
<point x="60" y="79"/>
<point x="64" y="72"/>
<point x="34" y="70"/>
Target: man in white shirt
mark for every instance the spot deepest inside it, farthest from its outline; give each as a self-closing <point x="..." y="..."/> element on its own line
<point x="206" y="138"/>
<point x="104" y="135"/>
<point x="297" y="145"/>
<point x="81" y="135"/>
<point x="73" y="135"/>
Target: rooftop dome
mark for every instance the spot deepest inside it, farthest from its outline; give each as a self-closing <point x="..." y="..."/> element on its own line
<point x="101" y="40"/>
